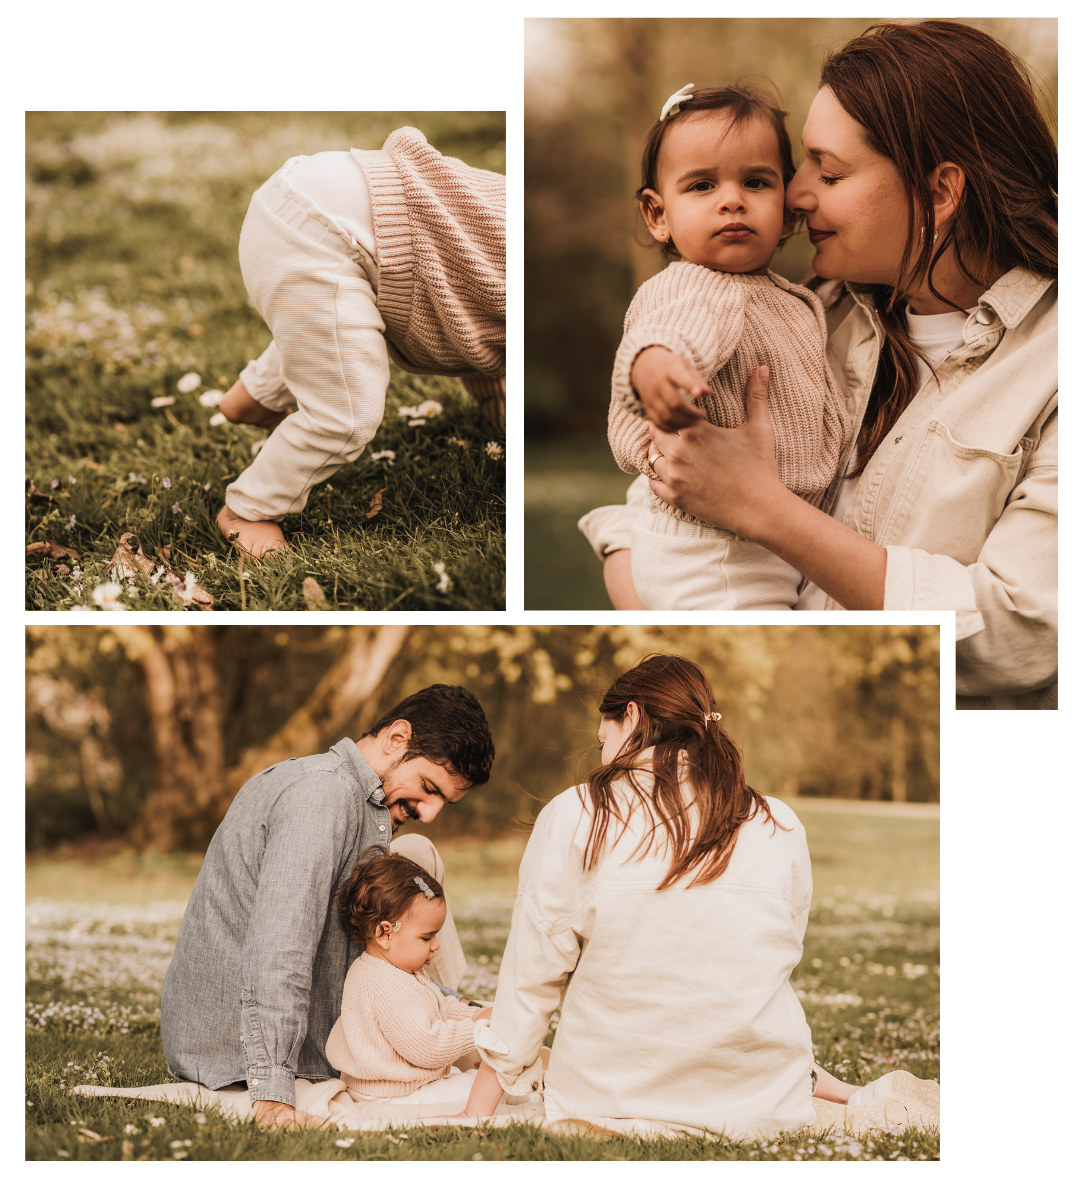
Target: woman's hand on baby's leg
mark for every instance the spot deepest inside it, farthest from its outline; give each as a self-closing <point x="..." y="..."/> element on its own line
<point x="255" y="537"/>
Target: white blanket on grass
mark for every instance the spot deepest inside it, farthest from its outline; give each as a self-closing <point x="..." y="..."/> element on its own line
<point x="328" y="1101"/>
<point x="331" y="1102"/>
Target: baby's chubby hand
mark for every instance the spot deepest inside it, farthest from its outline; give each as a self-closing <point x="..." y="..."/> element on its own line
<point x="258" y="538"/>
<point x="660" y="378"/>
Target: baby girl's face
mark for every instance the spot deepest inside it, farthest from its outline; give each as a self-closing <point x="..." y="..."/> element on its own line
<point x="414" y="945"/>
<point x="721" y="196"/>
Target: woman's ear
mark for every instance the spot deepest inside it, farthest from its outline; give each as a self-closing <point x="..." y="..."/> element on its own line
<point x="634" y="713"/>
<point x="946" y="188"/>
<point x="652" y="212"/>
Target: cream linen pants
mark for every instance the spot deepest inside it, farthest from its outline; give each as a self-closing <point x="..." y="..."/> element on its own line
<point x="314" y="285"/>
<point x="680" y="565"/>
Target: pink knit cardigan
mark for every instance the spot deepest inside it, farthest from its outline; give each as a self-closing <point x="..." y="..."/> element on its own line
<point x="725" y="326"/>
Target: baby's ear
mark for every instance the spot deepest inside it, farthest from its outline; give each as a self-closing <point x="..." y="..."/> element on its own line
<point x="652" y="213"/>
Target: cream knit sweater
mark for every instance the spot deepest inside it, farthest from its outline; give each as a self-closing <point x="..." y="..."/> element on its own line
<point x="725" y="326"/>
<point x="396" y="1031"/>
<point x="440" y="236"/>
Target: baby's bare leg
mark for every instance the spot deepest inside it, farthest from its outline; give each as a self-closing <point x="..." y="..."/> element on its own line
<point x="831" y="1089"/>
<point x="239" y="406"/>
<point x="259" y="538"/>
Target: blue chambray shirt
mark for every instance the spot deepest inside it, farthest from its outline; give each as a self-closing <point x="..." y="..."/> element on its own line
<point x="255" y="985"/>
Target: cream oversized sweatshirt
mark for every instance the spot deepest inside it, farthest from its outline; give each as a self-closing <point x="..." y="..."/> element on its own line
<point x="725" y="326"/>
<point x="396" y="1031"/>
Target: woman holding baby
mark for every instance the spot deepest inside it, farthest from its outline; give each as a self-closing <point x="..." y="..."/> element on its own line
<point x="929" y="192"/>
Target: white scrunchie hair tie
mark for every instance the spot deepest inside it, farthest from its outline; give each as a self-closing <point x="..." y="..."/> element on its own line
<point x="672" y="105"/>
<point x="711" y="717"/>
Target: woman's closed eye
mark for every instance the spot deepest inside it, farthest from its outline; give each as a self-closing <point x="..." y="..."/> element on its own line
<point x="829" y="179"/>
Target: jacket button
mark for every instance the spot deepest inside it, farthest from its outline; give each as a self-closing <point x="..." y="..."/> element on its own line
<point x="984" y="316"/>
<point x="382" y="827"/>
<point x="898" y="438"/>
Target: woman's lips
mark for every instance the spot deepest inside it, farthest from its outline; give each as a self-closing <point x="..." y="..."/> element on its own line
<point x="819" y="235"/>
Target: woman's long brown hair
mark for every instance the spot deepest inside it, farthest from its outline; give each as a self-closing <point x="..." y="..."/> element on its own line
<point x="930" y="92"/>
<point x="700" y="816"/>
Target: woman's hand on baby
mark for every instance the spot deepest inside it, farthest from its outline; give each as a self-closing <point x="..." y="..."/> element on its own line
<point x="660" y="377"/>
<point x="258" y="538"/>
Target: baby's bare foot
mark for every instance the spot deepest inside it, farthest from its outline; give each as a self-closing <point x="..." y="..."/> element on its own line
<point x="259" y="538"/>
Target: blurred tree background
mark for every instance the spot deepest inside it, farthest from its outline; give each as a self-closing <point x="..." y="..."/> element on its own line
<point x="142" y="734"/>
<point x="592" y="89"/>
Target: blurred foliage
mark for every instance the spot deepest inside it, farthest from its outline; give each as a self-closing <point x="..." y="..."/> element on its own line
<point x="818" y="710"/>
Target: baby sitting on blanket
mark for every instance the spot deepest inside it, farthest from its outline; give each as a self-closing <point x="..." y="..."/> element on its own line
<point x="398" y="1035"/>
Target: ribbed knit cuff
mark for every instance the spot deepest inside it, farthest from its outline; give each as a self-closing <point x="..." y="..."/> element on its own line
<point x="393" y="235"/>
<point x="633" y="345"/>
<point x="482" y="387"/>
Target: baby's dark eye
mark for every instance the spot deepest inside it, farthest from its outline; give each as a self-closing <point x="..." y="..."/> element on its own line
<point x="701" y="186"/>
<point x="756" y="182"/>
<point x="758" y="178"/>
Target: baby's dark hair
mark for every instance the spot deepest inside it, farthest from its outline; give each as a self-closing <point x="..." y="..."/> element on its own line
<point x="381" y="888"/>
<point x="743" y="103"/>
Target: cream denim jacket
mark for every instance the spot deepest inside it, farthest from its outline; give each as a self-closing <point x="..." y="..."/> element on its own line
<point x="963" y="493"/>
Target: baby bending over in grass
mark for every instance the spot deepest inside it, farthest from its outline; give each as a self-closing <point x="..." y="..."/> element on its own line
<point x="352" y="258"/>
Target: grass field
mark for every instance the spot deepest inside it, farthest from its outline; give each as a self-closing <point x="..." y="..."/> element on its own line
<point x="133" y="283"/>
<point x="868" y="982"/>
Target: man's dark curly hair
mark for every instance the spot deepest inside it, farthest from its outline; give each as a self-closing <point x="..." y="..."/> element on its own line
<point x="448" y="727"/>
<point x="382" y="888"/>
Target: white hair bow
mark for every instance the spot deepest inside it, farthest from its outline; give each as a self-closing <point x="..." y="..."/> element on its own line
<point x="676" y="100"/>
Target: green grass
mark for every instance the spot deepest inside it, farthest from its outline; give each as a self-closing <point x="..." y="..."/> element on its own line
<point x="868" y="982"/>
<point x="132" y="282"/>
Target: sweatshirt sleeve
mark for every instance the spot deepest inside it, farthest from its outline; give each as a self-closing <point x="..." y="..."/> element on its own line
<point x="541" y="951"/>
<point x="310" y="834"/>
<point x="692" y="311"/>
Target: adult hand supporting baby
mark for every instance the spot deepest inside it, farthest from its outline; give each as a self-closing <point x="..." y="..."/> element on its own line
<point x="727" y="478"/>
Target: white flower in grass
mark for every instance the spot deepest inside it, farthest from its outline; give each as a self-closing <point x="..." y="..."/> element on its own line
<point x="71" y="480"/>
<point x="107" y="596"/>
<point x="131" y="1129"/>
<point x="70" y="524"/>
<point x="388" y="456"/>
<point x="218" y="420"/>
<point x="189" y="383"/>
<point x="344" y="1142"/>
<point x="82" y="608"/>
<point x="166" y="482"/>
<point x="160" y="402"/>
<point x="256" y="447"/>
<point x="212" y="397"/>
<point x="428" y="409"/>
<point x="134" y="478"/>
<point x="200" y="1118"/>
<point x="493" y="450"/>
<point x="444" y="583"/>
<point x="156" y="1122"/>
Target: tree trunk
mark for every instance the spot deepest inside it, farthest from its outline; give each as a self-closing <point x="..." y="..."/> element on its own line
<point x="192" y="788"/>
<point x="899" y="759"/>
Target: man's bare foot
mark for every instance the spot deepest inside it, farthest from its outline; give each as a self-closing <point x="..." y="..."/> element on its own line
<point x="256" y="537"/>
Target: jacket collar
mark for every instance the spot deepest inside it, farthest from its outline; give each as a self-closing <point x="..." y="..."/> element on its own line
<point x="1011" y="297"/>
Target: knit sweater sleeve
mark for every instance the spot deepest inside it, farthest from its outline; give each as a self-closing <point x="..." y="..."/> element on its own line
<point x="694" y="312"/>
<point x="395" y="1031"/>
<point x="423" y="1035"/>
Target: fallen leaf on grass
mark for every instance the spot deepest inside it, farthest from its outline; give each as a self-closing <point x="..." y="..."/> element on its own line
<point x="314" y="598"/>
<point x="131" y="563"/>
<point x="376" y="504"/>
<point x="85" y="1135"/>
<point x="43" y="549"/>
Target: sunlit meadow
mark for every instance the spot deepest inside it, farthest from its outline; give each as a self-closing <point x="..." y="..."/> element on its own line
<point x="138" y="320"/>
<point x="868" y="982"/>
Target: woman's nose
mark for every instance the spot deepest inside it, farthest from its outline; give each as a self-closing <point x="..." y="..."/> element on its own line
<point x="799" y="195"/>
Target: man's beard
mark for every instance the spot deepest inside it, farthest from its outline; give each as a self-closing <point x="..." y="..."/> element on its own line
<point x="388" y="782"/>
